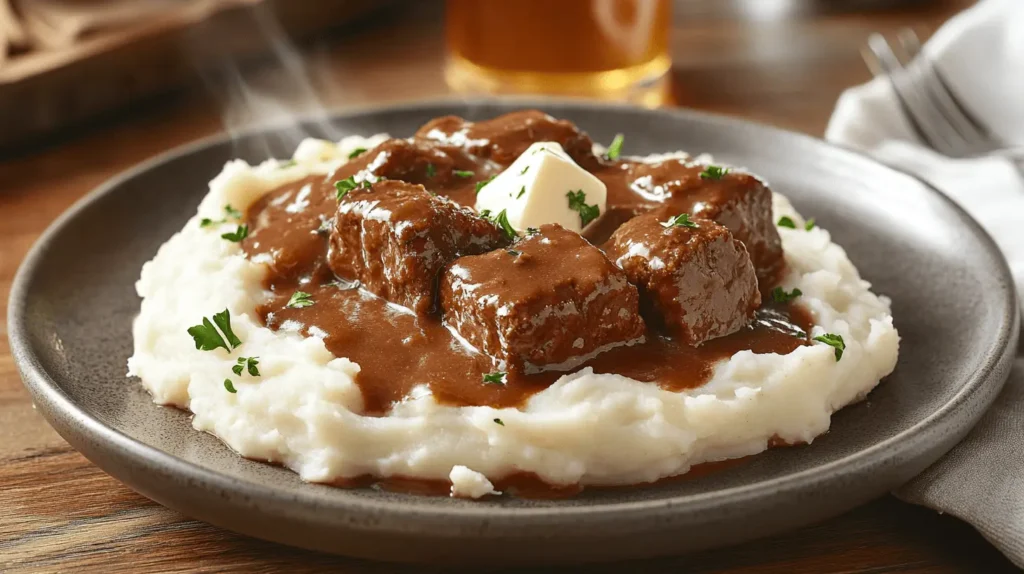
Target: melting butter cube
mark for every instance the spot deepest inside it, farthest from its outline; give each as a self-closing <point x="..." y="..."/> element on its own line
<point x="544" y="185"/>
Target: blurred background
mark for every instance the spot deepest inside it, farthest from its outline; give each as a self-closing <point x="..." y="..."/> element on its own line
<point x="73" y="65"/>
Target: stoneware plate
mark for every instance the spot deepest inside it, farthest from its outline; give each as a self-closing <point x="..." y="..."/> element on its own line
<point x="74" y="299"/>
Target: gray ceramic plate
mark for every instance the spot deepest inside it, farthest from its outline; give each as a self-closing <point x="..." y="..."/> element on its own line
<point x="73" y="302"/>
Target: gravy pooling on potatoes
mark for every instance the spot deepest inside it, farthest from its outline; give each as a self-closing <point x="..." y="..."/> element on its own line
<point x="291" y="228"/>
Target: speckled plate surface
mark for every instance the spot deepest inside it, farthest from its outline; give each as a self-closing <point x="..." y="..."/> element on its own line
<point x="73" y="301"/>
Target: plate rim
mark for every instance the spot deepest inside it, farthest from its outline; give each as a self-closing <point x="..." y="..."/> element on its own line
<point x="405" y="516"/>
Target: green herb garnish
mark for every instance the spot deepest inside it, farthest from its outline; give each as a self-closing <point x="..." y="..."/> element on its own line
<point x="344" y="186"/>
<point x="786" y="221"/>
<point x="229" y="212"/>
<point x="247" y="363"/>
<point x="681" y="220"/>
<point x="229" y="386"/>
<point x="522" y="190"/>
<point x="578" y="202"/>
<point x="513" y="252"/>
<point x="501" y="220"/>
<point x="524" y="170"/>
<point x="809" y="225"/>
<point x="287" y="164"/>
<point x="357" y="152"/>
<point x="834" y="341"/>
<point x="615" y="149"/>
<point x="480" y="184"/>
<point x="431" y="170"/>
<point x="232" y="212"/>
<point x="240" y="233"/>
<point x="498" y="421"/>
<point x="208" y="338"/>
<point x="462" y="173"/>
<point x="495" y="378"/>
<point x="300" y="300"/>
<point x="713" y="172"/>
<point x="779" y="295"/>
<point x="532" y="231"/>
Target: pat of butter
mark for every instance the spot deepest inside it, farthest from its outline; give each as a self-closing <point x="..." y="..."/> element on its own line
<point x="534" y="189"/>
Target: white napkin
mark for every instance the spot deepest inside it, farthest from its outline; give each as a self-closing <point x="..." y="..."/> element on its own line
<point x="980" y="53"/>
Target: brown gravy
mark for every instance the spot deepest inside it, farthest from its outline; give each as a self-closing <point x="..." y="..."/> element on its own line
<point x="398" y="350"/>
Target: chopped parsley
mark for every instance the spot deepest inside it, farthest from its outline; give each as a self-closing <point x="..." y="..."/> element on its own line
<point x="501" y="220"/>
<point x="681" y="220"/>
<point x="431" y="170"/>
<point x="344" y="186"/>
<point x="578" y="203"/>
<point x="208" y="338"/>
<point x="240" y="233"/>
<point x="524" y="170"/>
<point x="522" y="190"/>
<point x="786" y="221"/>
<point x="287" y="164"/>
<point x="480" y="184"/>
<point x="779" y="295"/>
<point x="300" y="300"/>
<point x="513" y="252"/>
<point x="357" y="152"/>
<point x="229" y="213"/>
<point x="462" y="173"/>
<point x="498" y="421"/>
<point x="229" y="386"/>
<point x="532" y="231"/>
<point x="495" y="378"/>
<point x="714" y="172"/>
<point x="615" y="149"/>
<point x="834" y="341"/>
<point x="247" y="364"/>
<point x="809" y="225"/>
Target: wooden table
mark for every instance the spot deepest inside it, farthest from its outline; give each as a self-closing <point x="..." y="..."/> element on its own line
<point x="58" y="512"/>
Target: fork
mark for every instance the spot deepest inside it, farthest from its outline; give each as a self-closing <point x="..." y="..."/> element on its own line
<point x="931" y="107"/>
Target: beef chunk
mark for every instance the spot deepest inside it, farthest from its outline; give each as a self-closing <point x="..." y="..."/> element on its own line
<point x="696" y="282"/>
<point x="506" y="137"/>
<point x="395" y="238"/>
<point x="547" y="303"/>
<point x="737" y="200"/>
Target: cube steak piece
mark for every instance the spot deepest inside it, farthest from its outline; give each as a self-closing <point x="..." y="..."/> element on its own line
<point x="696" y="282"/>
<point x="549" y="302"/>
<point x="395" y="238"/>
<point x="737" y="200"/>
<point x="505" y="138"/>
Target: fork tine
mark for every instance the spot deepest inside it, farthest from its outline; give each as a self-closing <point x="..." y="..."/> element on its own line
<point x="926" y="124"/>
<point x="975" y="138"/>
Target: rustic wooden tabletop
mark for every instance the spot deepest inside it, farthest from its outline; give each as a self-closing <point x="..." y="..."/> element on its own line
<point x="58" y="512"/>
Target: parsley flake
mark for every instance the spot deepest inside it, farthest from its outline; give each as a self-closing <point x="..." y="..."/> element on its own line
<point x="524" y="170"/>
<point x="809" y="225"/>
<point x="300" y="300"/>
<point x="615" y="149"/>
<point x="713" y="172"/>
<point x="522" y="190"/>
<point x="248" y="364"/>
<point x="495" y="378"/>
<point x="208" y="338"/>
<point x="513" y="252"/>
<point x="287" y="164"/>
<point x="681" y="220"/>
<point x="232" y="212"/>
<point x="240" y="233"/>
<point x="463" y="173"/>
<point x="532" y="231"/>
<point x="344" y="186"/>
<point x="501" y="220"/>
<point x="357" y="152"/>
<point x="480" y="184"/>
<point x="229" y="213"/>
<point x="498" y="421"/>
<point x="779" y="295"/>
<point x="431" y="170"/>
<point x="786" y="221"/>
<point x="578" y="203"/>
<point x="834" y="341"/>
<point x="229" y="386"/>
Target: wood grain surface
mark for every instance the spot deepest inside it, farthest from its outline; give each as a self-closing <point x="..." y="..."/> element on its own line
<point x="59" y="513"/>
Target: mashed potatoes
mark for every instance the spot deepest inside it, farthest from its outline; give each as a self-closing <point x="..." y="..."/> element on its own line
<point x="304" y="411"/>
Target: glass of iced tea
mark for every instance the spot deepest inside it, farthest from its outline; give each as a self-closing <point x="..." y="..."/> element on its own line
<point x="609" y="49"/>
